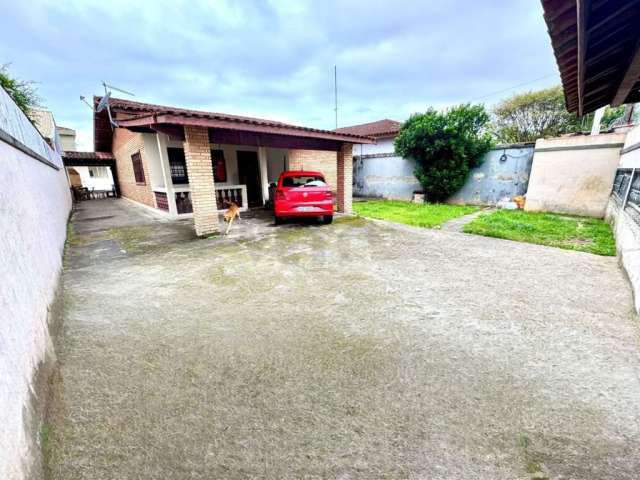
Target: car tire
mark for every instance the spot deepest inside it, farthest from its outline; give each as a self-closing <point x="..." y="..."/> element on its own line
<point x="277" y="220"/>
<point x="327" y="219"/>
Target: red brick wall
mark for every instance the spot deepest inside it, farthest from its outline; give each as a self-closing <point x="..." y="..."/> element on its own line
<point x="197" y="153"/>
<point x="316" y="160"/>
<point x="125" y="144"/>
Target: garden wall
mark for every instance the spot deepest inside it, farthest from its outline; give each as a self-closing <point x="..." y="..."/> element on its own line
<point x="574" y="174"/>
<point x="34" y="208"/>
<point x="503" y="173"/>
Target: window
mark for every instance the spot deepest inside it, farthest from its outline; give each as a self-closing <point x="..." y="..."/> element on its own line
<point x="303" y="181"/>
<point x="138" y="171"/>
<point x="98" y="172"/>
<point x="219" y="166"/>
<point x="178" y="166"/>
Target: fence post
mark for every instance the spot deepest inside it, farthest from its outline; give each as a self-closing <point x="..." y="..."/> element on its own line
<point x="626" y="194"/>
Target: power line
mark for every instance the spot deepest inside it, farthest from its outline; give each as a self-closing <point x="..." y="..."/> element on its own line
<point x="511" y="88"/>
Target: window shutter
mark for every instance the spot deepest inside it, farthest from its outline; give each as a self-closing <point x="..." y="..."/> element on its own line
<point x="138" y="171"/>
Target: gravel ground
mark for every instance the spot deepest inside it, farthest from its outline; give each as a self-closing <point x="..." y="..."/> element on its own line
<point x="355" y="350"/>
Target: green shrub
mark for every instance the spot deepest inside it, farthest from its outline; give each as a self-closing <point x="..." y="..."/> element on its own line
<point x="446" y="146"/>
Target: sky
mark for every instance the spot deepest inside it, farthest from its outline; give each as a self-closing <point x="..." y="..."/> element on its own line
<point x="275" y="59"/>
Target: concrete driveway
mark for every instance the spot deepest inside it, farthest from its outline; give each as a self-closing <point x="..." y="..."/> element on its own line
<point x="356" y="350"/>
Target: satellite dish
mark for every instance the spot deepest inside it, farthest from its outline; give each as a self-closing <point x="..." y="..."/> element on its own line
<point x="104" y="102"/>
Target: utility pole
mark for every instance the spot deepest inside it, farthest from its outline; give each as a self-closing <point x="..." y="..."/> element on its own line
<point x="335" y="91"/>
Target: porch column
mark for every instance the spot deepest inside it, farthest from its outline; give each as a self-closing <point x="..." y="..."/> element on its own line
<point x="344" y="178"/>
<point x="166" y="172"/>
<point x="197" y="154"/>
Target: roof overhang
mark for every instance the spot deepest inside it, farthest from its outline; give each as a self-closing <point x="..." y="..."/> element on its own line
<point x="597" y="48"/>
<point x="154" y="119"/>
<point x="143" y="117"/>
<point x="87" y="159"/>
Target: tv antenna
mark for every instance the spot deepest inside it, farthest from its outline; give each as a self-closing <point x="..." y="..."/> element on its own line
<point x="104" y="101"/>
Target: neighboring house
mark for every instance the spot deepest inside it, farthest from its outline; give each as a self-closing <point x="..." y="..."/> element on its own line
<point x="46" y="125"/>
<point x="187" y="163"/>
<point x="377" y="170"/>
<point x="67" y="138"/>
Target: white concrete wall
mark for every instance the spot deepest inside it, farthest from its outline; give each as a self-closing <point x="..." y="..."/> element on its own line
<point x="34" y="208"/>
<point x="574" y="174"/>
<point x="383" y="145"/>
<point x="98" y="183"/>
<point x="627" y="233"/>
<point x="632" y="158"/>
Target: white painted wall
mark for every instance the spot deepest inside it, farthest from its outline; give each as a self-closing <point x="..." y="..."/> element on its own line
<point x="277" y="161"/>
<point x="574" y="174"/>
<point x="152" y="157"/>
<point x="34" y="206"/>
<point x="102" y="179"/>
<point x="632" y="158"/>
<point x="384" y="145"/>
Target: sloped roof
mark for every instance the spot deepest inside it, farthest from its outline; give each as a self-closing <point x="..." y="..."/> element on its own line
<point x="73" y="155"/>
<point x="597" y="48"/>
<point x="377" y="129"/>
<point x="141" y="114"/>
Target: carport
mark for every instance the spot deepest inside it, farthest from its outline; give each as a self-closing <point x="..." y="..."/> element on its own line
<point x="93" y="159"/>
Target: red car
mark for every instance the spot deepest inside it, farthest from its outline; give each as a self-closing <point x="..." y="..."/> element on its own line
<point x="302" y="194"/>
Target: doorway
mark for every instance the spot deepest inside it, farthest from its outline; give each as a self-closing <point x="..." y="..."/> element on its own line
<point x="249" y="175"/>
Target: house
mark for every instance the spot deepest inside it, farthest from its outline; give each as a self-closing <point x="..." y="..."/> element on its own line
<point x="377" y="170"/>
<point x="67" y="138"/>
<point x="45" y="123"/>
<point x="187" y="163"/>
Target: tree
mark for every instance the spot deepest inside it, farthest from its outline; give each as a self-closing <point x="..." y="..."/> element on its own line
<point x="612" y="114"/>
<point x="525" y="117"/>
<point x="446" y="146"/>
<point x="22" y="92"/>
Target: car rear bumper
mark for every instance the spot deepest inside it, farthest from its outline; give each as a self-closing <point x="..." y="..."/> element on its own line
<point x="315" y="209"/>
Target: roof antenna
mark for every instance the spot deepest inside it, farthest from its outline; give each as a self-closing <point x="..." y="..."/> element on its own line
<point x="104" y="101"/>
<point x="84" y="100"/>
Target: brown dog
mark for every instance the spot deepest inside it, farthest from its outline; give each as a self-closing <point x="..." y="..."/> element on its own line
<point x="231" y="214"/>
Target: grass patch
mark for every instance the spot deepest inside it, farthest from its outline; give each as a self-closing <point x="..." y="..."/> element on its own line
<point x="427" y="215"/>
<point x="571" y="233"/>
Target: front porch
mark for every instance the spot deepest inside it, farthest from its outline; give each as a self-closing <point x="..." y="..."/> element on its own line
<point x="190" y="163"/>
<point x="241" y="174"/>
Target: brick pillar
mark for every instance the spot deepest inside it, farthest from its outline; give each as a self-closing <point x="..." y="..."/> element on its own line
<point x="344" y="178"/>
<point x="203" y="196"/>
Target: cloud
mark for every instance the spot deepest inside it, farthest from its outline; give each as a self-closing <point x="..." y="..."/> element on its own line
<point x="275" y="59"/>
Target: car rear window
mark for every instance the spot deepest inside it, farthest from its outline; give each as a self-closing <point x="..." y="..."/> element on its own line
<point x="304" y="181"/>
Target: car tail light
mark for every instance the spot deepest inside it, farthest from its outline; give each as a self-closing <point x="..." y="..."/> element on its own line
<point x="328" y="195"/>
<point x="279" y="195"/>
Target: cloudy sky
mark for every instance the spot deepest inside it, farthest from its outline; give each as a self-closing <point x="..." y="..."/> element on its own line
<point x="275" y="58"/>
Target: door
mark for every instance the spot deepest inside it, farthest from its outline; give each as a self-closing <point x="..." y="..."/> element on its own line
<point x="249" y="175"/>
